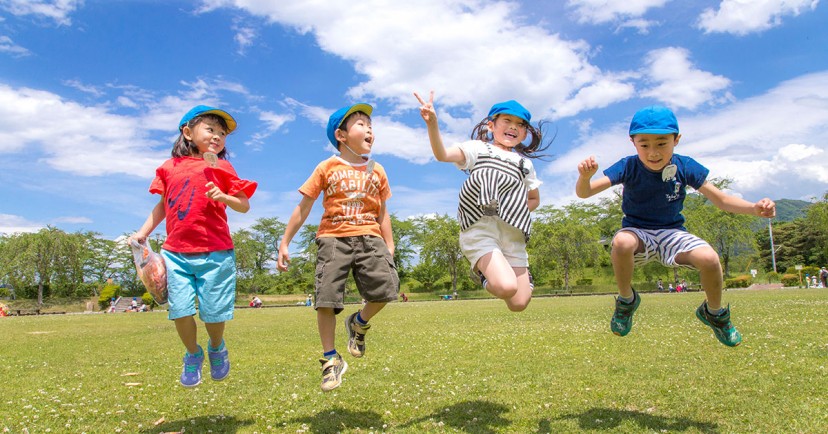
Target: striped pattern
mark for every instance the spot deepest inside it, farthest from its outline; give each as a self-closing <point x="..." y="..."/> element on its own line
<point x="664" y="245"/>
<point x="495" y="187"/>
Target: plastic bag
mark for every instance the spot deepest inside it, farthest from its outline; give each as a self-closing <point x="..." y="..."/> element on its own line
<point x="151" y="270"/>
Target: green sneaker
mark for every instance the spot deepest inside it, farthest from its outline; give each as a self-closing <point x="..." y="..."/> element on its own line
<point x="724" y="330"/>
<point x="622" y="320"/>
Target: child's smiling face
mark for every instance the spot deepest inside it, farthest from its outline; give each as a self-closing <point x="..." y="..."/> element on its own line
<point x="508" y="131"/>
<point x="358" y="134"/>
<point x="655" y="150"/>
<point x="207" y="135"/>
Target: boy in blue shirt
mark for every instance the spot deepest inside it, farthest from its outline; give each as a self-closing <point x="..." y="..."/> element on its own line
<point x="653" y="229"/>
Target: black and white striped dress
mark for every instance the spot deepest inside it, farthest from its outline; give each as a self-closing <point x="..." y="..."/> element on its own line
<point x="498" y="183"/>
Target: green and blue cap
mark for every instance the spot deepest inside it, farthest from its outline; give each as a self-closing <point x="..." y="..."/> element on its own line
<point x="339" y="116"/>
<point x="201" y="110"/>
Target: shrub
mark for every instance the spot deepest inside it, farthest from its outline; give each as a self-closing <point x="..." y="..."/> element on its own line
<point x="790" y="279"/>
<point x="738" y="282"/>
<point x="772" y="276"/>
<point x="584" y="281"/>
<point x="109" y="291"/>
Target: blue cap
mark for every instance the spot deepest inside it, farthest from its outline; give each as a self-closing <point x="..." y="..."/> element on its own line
<point x="510" y="107"/>
<point x="335" y="121"/>
<point x="207" y="110"/>
<point x="654" y="120"/>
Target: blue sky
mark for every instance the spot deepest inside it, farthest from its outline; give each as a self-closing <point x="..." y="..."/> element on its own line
<point x="91" y="91"/>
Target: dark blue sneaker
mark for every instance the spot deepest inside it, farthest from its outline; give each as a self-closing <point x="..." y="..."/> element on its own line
<point x="724" y="330"/>
<point x="191" y="374"/>
<point x="219" y="364"/>
<point x="622" y="319"/>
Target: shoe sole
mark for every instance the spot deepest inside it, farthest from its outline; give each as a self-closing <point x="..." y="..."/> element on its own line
<point x="707" y="323"/>
<point x="344" y="368"/>
<point x="189" y="386"/>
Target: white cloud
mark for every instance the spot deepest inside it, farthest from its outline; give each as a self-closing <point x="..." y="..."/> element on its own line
<point x="757" y="142"/>
<point x="677" y="82"/>
<point x="12" y="224"/>
<point x="56" y="10"/>
<point x="86" y="88"/>
<point x="605" y="11"/>
<point x="244" y="38"/>
<point x="273" y="122"/>
<point x="741" y="17"/>
<point x="472" y="54"/>
<point x="8" y="46"/>
<point x="89" y="140"/>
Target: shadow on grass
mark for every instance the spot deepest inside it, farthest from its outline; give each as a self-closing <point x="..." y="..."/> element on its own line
<point x="339" y="419"/>
<point x="470" y="416"/>
<point x="223" y="424"/>
<point x="611" y="419"/>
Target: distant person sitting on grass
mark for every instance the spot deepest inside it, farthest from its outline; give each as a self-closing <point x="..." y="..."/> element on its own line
<point x="655" y="182"/>
<point x="256" y="302"/>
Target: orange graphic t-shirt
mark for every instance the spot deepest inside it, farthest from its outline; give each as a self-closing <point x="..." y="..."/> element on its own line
<point x="351" y="199"/>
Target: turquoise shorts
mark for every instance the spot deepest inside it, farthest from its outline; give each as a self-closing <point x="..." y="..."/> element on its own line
<point x="209" y="276"/>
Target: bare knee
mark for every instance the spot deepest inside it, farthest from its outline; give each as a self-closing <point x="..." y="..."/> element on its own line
<point x="517" y="307"/>
<point x="624" y="243"/>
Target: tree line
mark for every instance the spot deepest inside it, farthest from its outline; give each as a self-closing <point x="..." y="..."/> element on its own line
<point x="568" y="243"/>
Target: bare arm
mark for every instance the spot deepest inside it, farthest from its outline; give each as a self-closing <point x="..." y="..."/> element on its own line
<point x="586" y="186"/>
<point x="155" y="218"/>
<point x="385" y="228"/>
<point x="238" y="203"/>
<point x="297" y="219"/>
<point x="429" y="114"/>
<point x="729" y="203"/>
<point x="533" y="199"/>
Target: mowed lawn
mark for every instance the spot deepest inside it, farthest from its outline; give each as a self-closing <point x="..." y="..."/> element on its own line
<point x="443" y="366"/>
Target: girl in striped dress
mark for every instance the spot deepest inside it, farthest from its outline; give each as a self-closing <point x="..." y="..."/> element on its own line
<point x="497" y="197"/>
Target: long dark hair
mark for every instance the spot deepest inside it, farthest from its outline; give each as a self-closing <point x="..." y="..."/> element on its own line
<point x="185" y="148"/>
<point x="532" y="150"/>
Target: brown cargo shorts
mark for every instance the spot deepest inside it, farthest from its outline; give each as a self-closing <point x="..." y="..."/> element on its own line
<point x="370" y="261"/>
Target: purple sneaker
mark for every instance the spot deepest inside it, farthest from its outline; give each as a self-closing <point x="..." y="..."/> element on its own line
<point x="219" y="364"/>
<point x="191" y="374"/>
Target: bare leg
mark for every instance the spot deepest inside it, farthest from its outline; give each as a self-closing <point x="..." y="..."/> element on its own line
<point x="706" y="260"/>
<point x="523" y="296"/>
<point x="370" y="309"/>
<point x="188" y="333"/>
<point x="502" y="282"/>
<point x="326" y="322"/>
<point x="505" y="282"/>
<point x="216" y="332"/>
<point x="625" y="245"/>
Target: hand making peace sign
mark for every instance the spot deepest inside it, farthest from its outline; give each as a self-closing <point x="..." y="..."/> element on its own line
<point x="427" y="109"/>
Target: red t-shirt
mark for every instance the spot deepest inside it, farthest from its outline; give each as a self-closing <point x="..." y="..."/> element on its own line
<point x="195" y="223"/>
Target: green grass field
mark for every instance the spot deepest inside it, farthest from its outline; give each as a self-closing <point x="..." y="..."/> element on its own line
<point x="453" y="366"/>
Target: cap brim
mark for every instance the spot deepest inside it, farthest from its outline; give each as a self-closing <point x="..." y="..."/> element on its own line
<point x="653" y="131"/>
<point x="360" y="107"/>
<point x="231" y="123"/>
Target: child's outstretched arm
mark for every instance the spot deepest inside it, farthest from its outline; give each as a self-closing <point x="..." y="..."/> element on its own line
<point x="238" y="203"/>
<point x="155" y="218"/>
<point x="725" y="202"/>
<point x="297" y="219"/>
<point x="429" y="114"/>
<point x="585" y="186"/>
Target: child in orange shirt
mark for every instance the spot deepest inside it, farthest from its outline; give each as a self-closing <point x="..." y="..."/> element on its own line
<point x="354" y="236"/>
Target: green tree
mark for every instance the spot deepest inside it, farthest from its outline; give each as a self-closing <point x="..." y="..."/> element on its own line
<point x="566" y="240"/>
<point x="437" y="237"/>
